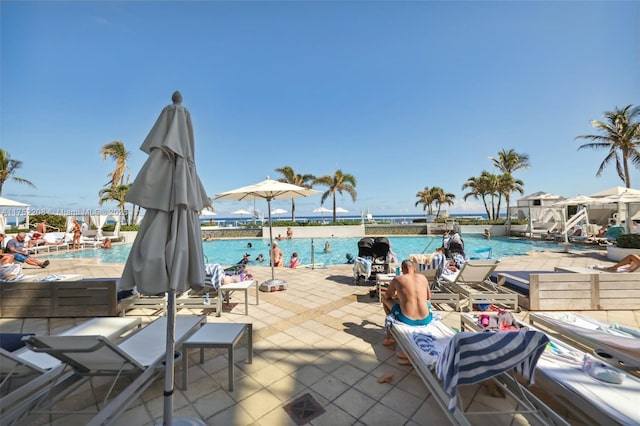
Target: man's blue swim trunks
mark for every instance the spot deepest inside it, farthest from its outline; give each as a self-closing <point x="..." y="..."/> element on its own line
<point x="397" y="314"/>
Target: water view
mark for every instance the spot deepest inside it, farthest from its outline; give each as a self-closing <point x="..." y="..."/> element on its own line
<point x="230" y="251"/>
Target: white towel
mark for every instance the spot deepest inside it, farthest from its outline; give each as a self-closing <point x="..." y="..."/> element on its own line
<point x="362" y="266"/>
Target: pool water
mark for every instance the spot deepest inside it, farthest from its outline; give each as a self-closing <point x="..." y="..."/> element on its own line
<point x="228" y="252"/>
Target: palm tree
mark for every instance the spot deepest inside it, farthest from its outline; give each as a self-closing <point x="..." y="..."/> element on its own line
<point x="117" y="152"/>
<point x="339" y="182"/>
<point x="436" y="195"/>
<point x="621" y="137"/>
<point x="509" y="162"/>
<point x="426" y="198"/>
<point x="289" y="176"/>
<point x="506" y="185"/>
<point x="8" y="168"/>
<point x="481" y="187"/>
<point x="116" y="193"/>
<point x="441" y="198"/>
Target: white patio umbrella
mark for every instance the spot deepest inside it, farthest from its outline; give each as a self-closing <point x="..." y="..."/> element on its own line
<point x="278" y="211"/>
<point x="341" y="210"/>
<point x="207" y="213"/>
<point x="577" y="201"/>
<point x="241" y="212"/>
<point x="269" y="190"/>
<point x="166" y="255"/>
<point x="322" y="210"/>
<point x="625" y="197"/>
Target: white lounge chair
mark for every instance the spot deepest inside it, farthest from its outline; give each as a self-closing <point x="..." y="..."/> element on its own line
<point x="26" y="373"/>
<point x="138" y="355"/>
<point x="590" y="392"/>
<point x="611" y="343"/>
<point x="472" y="281"/>
<point x="440" y="357"/>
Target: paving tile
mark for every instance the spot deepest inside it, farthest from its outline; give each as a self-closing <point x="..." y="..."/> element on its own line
<point x="379" y="415"/>
<point x="354" y="402"/>
<point x="369" y="385"/>
<point x="287" y="388"/>
<point x="213" y="403"/>
<point x="329" y="387"/>
<point x="136" y="416"/>
<point x="260" y="403"/>
<point x="321" y="336"/>
<point x="232" y="416"/>
<point x="268" y="375"/>
<point x="349" y="374"/>
<point x="333" y="416"/>
<point x="401" y="401"/>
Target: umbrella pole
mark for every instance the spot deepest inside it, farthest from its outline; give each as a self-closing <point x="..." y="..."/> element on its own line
<point x="273" y="274"/>
<point x="168" y="378"/>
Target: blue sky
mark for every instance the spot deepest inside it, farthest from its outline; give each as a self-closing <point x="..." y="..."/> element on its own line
<point x="402" y="95"/>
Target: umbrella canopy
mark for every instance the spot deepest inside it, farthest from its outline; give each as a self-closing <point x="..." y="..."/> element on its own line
<point x="621" y="198"/>
<point x="166" y="255"/>
<point x="269" y="190"/>
<point x="322" y="210"/>
<point x="577" y="200"/>
<point x="616" y="190"/>
<point x="241" y="212"/>
<point x="207" y="213"/>
<point x="341" y="210"/>
<point x="278" y="211"/>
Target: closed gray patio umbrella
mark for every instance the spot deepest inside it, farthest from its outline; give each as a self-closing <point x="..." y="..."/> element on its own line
<point x="166" y="255"/>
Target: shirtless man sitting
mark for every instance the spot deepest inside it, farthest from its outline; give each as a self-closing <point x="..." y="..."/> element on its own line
<point x="407" y="298"/>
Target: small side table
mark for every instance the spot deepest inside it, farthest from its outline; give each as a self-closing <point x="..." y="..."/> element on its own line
<point x="241" y="286"/>
<point x="217" y="335"/>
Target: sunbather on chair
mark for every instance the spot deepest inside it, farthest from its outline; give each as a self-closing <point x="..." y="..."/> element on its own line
<point x="629" y="264"/>
<point x="16" y="248"/>
<point x="407" y="298"/>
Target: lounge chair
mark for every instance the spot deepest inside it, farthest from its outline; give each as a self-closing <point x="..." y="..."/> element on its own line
<point x="472" y="281"/>
<point x="445" y="360"/>
<point x="136" y="356"/>
<point x="611" y="343"/>
<point x="590" y="392"/>
<point x="26" y="373"/>
<point x="440" y="295"/>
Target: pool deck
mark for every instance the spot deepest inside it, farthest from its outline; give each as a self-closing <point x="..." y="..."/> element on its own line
<point x="323" y="336"/>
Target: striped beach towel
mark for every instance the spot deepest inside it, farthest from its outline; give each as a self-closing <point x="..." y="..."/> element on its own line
<point x="429" y="261"/>
<point x="214" y="273"/>
<point x="474" y="357"/>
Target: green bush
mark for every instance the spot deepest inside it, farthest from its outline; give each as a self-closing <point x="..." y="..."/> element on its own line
<point x="53" y="221"/>
<point x="631" y="241"/>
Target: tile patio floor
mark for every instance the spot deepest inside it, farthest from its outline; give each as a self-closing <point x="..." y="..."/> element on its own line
<point x="323" y="336"/>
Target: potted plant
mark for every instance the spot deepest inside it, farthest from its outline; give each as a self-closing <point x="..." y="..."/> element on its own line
<point x="625" y="244"/>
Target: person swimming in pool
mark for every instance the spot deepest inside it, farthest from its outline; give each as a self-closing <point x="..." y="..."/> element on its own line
<point x="407" y="298"/>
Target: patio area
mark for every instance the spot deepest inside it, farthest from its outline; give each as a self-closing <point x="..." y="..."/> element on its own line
<point x="322" y="336"/>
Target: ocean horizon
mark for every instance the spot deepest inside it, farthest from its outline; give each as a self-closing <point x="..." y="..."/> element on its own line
<point x="392" y="218"/>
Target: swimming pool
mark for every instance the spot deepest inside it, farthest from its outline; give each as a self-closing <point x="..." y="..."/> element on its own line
<point x="228" y="252"/>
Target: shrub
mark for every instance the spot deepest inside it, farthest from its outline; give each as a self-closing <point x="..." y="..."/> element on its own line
<point x="631" y="241"/>
<point x="53" y="220"/>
